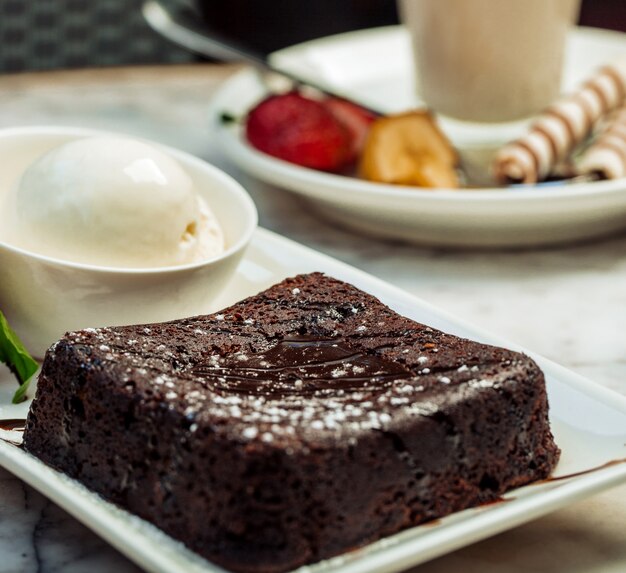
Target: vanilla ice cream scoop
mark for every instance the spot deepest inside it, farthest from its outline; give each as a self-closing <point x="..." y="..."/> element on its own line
<point x="113" y="201"/>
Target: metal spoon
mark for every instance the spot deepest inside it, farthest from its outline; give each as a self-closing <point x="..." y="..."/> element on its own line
<point x="181" y="27"/>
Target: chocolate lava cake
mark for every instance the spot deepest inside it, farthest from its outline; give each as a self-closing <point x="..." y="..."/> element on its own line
<point x="300" y="423"/>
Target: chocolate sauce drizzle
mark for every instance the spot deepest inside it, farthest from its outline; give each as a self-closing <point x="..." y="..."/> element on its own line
<point x="582" y="472"/>
<point x="13" y="425"/>
<point x="301" y="365"/>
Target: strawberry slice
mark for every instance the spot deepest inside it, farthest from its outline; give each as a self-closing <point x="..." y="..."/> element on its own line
<point x="300" y="130"/>
<point x="357" y="119"/>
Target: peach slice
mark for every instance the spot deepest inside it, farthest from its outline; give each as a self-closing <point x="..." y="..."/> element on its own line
<point x="409" y="149"/>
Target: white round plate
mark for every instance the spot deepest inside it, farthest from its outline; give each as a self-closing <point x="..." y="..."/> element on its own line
<point x="375" y="68"/>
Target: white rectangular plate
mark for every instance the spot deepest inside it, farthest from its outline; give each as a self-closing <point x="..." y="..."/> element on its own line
<point x="589" y="424"/>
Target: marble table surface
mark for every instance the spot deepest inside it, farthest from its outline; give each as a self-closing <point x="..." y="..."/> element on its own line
<point x="568" y="304"/>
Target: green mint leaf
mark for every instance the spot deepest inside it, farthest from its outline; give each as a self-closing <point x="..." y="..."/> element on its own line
<point x="226" y="118"/>
<point x="20" y="393"/>
<point x="17" y="358"/>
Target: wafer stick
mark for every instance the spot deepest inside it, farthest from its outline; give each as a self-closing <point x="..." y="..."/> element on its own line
<point x="563" y="126"/>
<point x="606" y="156"/>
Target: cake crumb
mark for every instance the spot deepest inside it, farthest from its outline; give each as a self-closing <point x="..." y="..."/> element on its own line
<point x="250" y="432"/>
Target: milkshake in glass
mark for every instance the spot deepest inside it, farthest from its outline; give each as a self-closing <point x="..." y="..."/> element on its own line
<point x="488" y="60"/>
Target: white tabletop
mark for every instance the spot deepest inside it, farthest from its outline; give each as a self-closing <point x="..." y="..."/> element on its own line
<point x="568" y="304"/>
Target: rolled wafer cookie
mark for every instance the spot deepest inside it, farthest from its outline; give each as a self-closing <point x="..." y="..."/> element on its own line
<point x="562" y="127"/>
<point x="606" y="156"/>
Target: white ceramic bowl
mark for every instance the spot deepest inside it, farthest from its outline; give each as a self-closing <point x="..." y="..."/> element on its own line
<point x="43" y="297"/>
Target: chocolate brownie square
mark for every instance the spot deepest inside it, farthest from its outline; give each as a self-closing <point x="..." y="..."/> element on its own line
<point x="300" y="423"/>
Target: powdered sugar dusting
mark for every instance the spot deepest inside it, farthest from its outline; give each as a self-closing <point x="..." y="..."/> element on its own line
<point x="218" y="373"/>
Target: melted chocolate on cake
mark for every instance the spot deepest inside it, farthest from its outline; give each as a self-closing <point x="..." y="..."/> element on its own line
<point x="301" y="365"/>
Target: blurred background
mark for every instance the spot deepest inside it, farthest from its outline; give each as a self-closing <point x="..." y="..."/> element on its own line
<point x="53" y="34"/>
